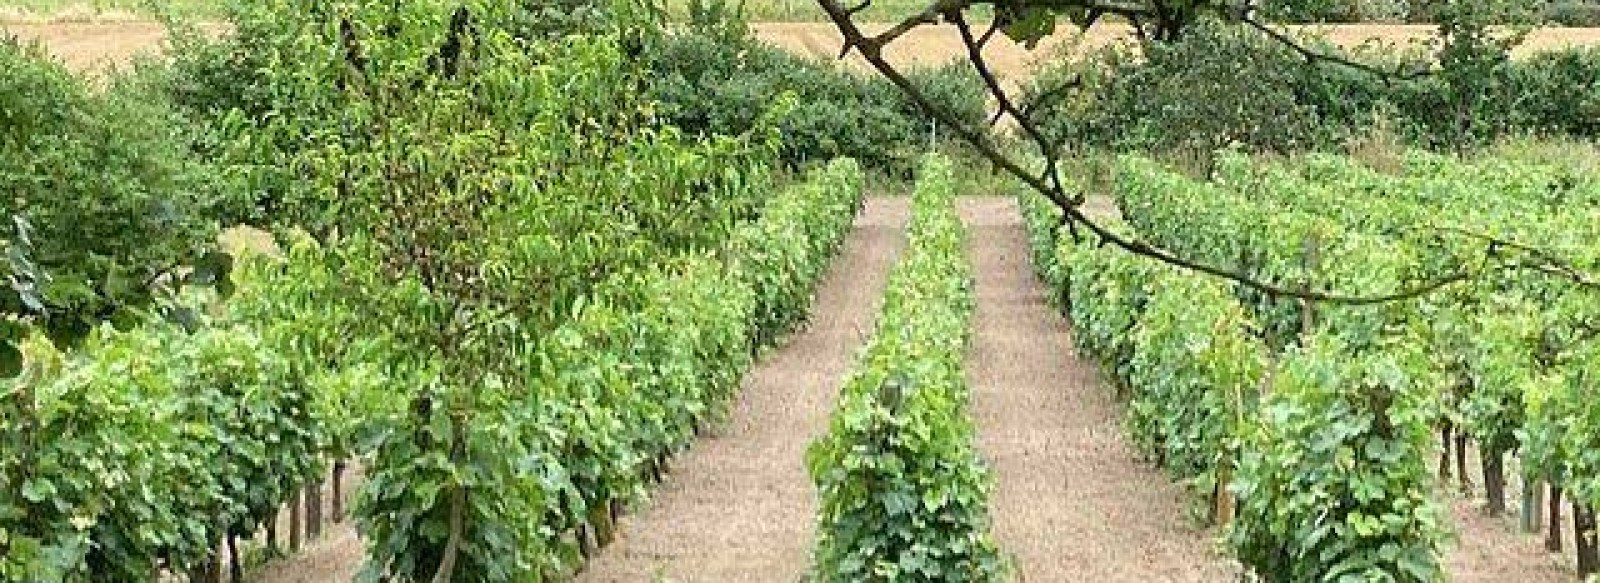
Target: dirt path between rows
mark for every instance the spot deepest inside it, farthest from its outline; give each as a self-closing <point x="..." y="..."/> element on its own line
<point x="1073" y="503"/>
<point x="740" y="506"/>
<point x="1494" y="550"/>
<point x="1490" y="550"/>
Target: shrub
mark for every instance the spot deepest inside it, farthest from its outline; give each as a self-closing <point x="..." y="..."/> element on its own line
<point x="103" y="204"/>
<point x="1574" y="13"/>
<point x="1223" y="86"/>
<point x="1217" y="86"/>
<point x="715" y="77"/>
<point x="1558" y="92"/>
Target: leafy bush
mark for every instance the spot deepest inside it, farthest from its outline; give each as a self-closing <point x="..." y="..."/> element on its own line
<point x="783" y="253"/>
<point x="716" y="78"/>
<point x="1575" y="13"/>
<point x="1312" y="10"/>
<point x="1558" y="92"/>
<point x="1334" y="479"/>
<point x="1224" y="86"/>
<point x="1217" y="86"/>
<point x="904" y="493"/>
<point x="103" y="205"/>
<point x="1327" y="464"/>
<point x="149" y="449"/>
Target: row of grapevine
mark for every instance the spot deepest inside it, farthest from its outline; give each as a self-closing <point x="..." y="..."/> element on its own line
<point x="141" y="453"/>
<point x="904" y="494"/>
<point x="622" y="384"/>
<point x="1515" y="345"/>
<point x="1310" y="448"/>
<point x="145" y="452"/>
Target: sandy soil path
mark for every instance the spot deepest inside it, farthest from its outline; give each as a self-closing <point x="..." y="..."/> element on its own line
<point x="739" y="506"/>
<point x="1490" y="550"/>
<point x="1073" y="503"/>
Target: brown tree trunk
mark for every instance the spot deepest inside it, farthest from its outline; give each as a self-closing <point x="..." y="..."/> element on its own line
<point x="1584" y="535"/>
<point x="458" y="527"/>
<point x="314" y="510"/>
<point x="1222" y="511"/>
<point x="1494" y="477"/>
<point x="295" y="529"/>
<point x="235" y="562"/>
<point x="1461" y="463"/>
<point x="338" y="489"/>
<point x="1444" y="453"/>
<point x="600" y="519"/>
<point x="1552" y="540"/>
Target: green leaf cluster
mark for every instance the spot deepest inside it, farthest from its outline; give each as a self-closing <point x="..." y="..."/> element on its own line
<point x="639" y="364"/>
<point x="102" y="204"/>
<point x="145" y="449"/>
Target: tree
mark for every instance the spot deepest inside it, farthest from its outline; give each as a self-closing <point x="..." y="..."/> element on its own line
<point x="103" y="210"/>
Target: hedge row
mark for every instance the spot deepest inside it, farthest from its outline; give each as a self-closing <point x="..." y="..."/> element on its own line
<point x="903" y="492"/>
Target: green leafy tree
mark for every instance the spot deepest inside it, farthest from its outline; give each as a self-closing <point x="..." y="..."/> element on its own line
<point x="102" y="208"/>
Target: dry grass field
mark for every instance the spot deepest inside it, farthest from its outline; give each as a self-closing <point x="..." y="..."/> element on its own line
<point x="89" y="45"/>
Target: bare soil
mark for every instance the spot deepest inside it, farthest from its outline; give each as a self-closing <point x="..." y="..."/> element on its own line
<point x="92" y="45"/>
<point x="85" y="46"/>
<point x="1073" y="503"/>
<point x="336" y="555"/>
<point x="1492" y="550"/>
<point x="740" y="506"/>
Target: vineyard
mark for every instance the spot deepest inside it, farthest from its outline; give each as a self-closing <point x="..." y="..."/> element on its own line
<point x="1308" y="430"/>
<point x="615" y="290"/>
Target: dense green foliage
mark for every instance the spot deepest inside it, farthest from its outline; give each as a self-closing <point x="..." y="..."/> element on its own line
<point x="903" y="491"/>
<point x="510" y="292"/>
<point x="102" y="204"/>
<point x="1222" y="85"/>
<point x="1327" y="458"/>
<point x="715" y="77"/>
<point x="1512" y="347"/>
<point x="146" y="449"/>
<point x="1577" y="13"/>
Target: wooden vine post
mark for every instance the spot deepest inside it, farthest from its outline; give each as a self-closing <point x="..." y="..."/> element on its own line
<point x="1494" y="477"/>
<point x="339" y="466"/>
<point x="313" y="510"/>
<point x="1532" y="505"/>
<point x="1583" y="528"/>
<point x="295" y="530"/>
